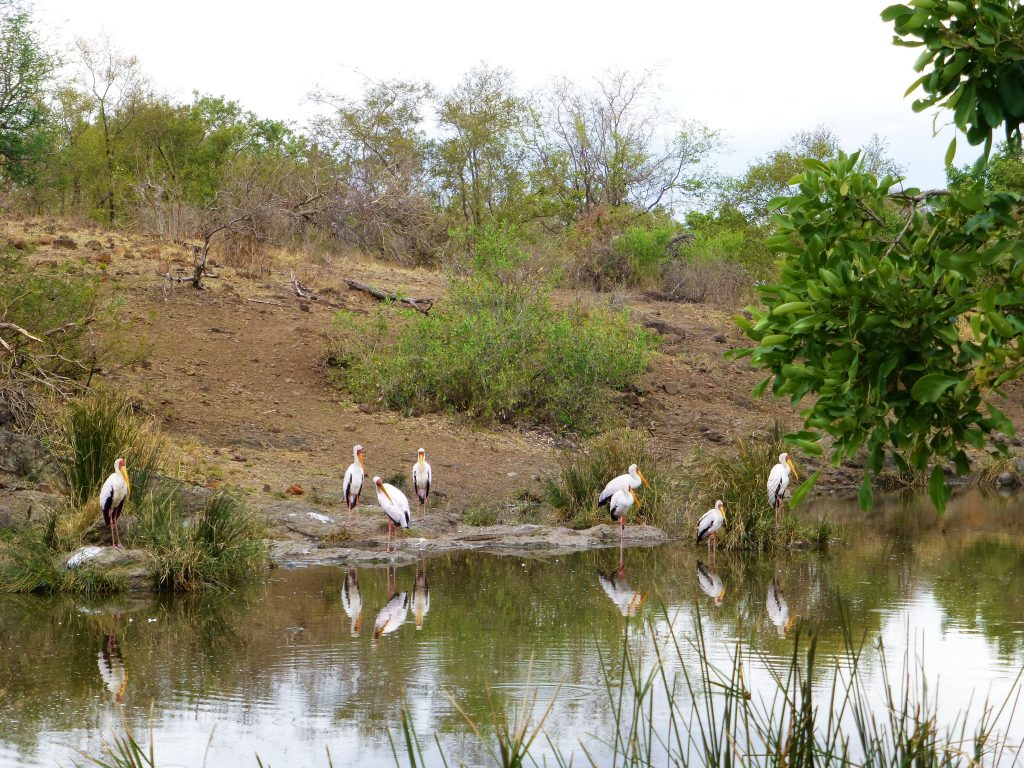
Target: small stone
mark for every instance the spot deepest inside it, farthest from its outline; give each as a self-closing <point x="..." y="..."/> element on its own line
<point x="65" y="242"/>
<point x="94" y="245"/>
<point x="303" y="306"/>
<point x="672" y="387"/>
<point x="266" y="488"/>
<point x="719" y="337"/>
<point x="45" y="240"/>
<point x="237" y="457"/>
<point x="295" y="490"/>
<point x="153" y="252"/>
<point x="1007" y="478"/>
<point x="101" y="258"/>
<point x="17" y="242"/>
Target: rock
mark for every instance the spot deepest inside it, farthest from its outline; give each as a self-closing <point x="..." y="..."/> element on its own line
<point x="672" y="388"/>
<point x="20" y="508"/>
<point x="17" y="242"/>
<point x="94" y="245"/>
<point x="45" y="240"/>
<point x="101" y="258"/>
<point x="134" y="566"/>
<point x="267" y="488"/>
<point x="294" y="490"/>
<point x="65" y="242"/>
<point x="153" y="252"/>
<point x="23" y="455"/>
<point x="719" y="337"/>
<point x="1008" y="479"/>
<point x="120" y="251"/>
<point x="194" y="498"/>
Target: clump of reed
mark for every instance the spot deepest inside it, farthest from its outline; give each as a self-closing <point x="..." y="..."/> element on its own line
<point x="572" y="492"/>
<point x="738" y="475"/>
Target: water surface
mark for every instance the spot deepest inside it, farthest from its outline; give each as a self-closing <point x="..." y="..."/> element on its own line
<point x="293" y="666"/>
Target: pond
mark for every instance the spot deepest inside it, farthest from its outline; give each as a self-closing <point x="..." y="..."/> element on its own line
<point x="292" y="667"/>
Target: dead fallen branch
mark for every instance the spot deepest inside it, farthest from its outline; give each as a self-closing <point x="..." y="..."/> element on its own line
<point x="19" y="329"/>
<point x="420" y="305"/>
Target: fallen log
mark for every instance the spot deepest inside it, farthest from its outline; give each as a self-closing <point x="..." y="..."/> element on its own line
<point x="420" y="305"/>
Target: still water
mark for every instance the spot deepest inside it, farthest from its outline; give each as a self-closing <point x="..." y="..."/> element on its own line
<point x="294" y="666"/>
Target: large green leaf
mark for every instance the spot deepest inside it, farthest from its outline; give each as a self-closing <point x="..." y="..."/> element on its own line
<point x="929" y="388"/>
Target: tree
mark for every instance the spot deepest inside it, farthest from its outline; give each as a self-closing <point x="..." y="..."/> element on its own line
<point x="382" y="201"/>
<point x="609" y="147"/>
<point x="902" y="313"/>
<point x="481" y="164"/>
<point x="116" y="84"/>
<point x="26" y="71"/>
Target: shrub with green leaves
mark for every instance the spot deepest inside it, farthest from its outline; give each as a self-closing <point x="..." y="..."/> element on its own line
<point x="865" y="317"/>
<point x="495" y="349"/>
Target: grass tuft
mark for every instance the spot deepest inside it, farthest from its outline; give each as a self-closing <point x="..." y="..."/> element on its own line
<point x="573" y="491"/>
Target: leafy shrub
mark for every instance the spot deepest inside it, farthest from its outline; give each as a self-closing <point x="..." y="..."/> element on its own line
<point x="497" y="350"/>
<point x="480" y="515"/>
<point x="646" y="250"/>
<point x="583" y="475"/>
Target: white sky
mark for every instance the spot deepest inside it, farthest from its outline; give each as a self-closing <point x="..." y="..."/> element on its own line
<point x="757" y="70"/>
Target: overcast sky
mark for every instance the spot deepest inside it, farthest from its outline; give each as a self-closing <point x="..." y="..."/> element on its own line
<point x="756" y="70"/>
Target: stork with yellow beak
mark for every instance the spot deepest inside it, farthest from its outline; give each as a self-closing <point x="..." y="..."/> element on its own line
<point x="395" y="506"/>
<point x="632" y="479"/>
<point x="354" y="478"/>
<point x="710" y="583"/>
<point x="619" y="505"/>
<point x="352" y="602"/>
<point x="778" y="608"/>
<point x="709" y="524"/>
<point x="421" y="478"/>
<point x="115" y="490"/>
<point x="778" y="482"/>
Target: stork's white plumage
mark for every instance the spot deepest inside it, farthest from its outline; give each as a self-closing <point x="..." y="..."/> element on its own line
<point x="420" y="599"/>
<point x="354" y="477"/>
<point x="778" y="482"/>
<point x="710" y="523"/>
<point x="352" y="602"/>
<point x="710" y="583"/>
<point x="778" y="609"/>
<point x="112" y="670"/>
<point x="113" y="493"/>
<point x="392" y="615"/>
<point x="421" y="477"/>
<point x="619" y="505"/>
<point x="632" y="479"/>
<point x="395" y="506"/>
<point x="628" y="600"/>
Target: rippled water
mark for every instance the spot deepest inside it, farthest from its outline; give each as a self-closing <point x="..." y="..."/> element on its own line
<point x="292" y="667"/>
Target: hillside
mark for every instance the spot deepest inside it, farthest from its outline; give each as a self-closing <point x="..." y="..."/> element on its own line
<point x="237" y="375"/>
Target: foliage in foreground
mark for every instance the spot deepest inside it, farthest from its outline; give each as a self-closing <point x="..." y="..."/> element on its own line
<point x="865" y="315"/>
<point x="678" y="709"/>
<point x="497" y="350"/>
<point x="573" y="491"/>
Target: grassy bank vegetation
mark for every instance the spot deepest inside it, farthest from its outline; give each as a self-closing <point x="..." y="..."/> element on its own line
<point x="497" y="350"/>
<point x="219" y="546"/>
<point x="679" y="495"/>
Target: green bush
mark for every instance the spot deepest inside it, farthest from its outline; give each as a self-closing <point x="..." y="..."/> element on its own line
<point x="582" y="475"/>
<point x="496" y="350"/>
<point x="646" y="251"/>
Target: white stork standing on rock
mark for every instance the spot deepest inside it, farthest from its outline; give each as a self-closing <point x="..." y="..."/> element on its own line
<point x="354" y="478"/>
<point x="619" y="505"/>
<point x="115" y="490"/>
<point x="778" y="482"/>
<point x="632" y="479"/>
<point x="421" y="478"/>
<point x="395" y="506"/>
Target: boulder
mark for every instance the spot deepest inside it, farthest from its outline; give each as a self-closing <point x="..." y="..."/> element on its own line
<point x="135" y="566"/>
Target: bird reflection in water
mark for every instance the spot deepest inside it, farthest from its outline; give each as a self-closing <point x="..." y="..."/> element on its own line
<point x="395" y="610"/>
<point x="778" y="608"/>
<point x="112" y="670"/>
<point x="420" y="598"/>
<point x="710" y="582"/>
<point x="352" y="601"/>
<point x="628" y="600"/>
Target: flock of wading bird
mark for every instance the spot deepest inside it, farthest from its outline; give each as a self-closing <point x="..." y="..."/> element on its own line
<point x="619" y="495"/>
